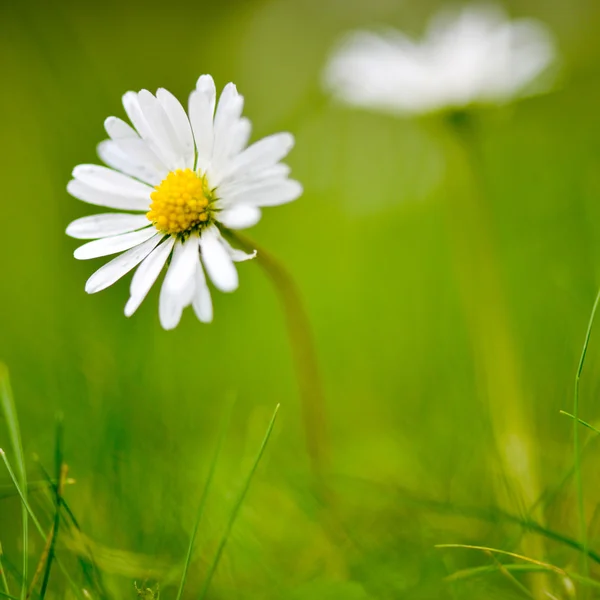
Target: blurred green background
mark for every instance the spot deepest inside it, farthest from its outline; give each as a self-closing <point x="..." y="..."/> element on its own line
<point x="413" y="459"/>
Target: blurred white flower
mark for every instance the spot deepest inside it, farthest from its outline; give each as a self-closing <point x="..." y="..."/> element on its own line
<point x="475" y="55"/>
<point x="179" y="179"/>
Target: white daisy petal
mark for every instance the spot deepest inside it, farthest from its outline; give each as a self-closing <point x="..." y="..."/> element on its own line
<point x="240" y="216"/>
<point x="162" y="130"/>
<point x="262" y="154"/>
<point x="206" y="83"/>
<point x="178" y="287"/>
<point x="236" y="254"/>
<point x="240" y="136"/>
<point x="137" y="116"/>
<point x="180" y="123"/>
<point x="228" y="99"/>
<point x="270" y="193"/>
<point x="117" y="129"/>
<point x="114" y="244"/>
<point x="201" y="110"/>
<point x="112" y="271"/>
<point x="278" y="172"/>
<point x="124" y="156"/>
<point x="170" y="306"/>
<point x="217" y="261"/>
<point x="119" y="201"/>
<point x="136" y="150"/>
<point x="231" y="134"/>
<point x="109" y="180"/>
<point x="146" y="275"/>
<point x="202" y="301"/>
<point x="104" y="225"/>
<point x="185" y="257"/>
<point x="227" y="115"/>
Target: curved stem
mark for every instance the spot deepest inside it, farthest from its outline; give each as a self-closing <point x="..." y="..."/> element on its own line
<point x="576" y="442"/>
<point x="312" y="398"/>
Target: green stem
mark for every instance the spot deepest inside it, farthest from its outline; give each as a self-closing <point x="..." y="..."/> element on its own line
<point x="576" y="442"/>
<point x="497" y="364"/>
<point x="312" y="397"/>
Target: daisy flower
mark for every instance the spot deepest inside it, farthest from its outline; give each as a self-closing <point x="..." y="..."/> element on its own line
<point x="475" y="55"/>
<point x="178" y="179"/>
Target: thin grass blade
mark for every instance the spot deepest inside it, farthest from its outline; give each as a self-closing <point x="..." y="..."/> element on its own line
<point x="89" y="567"/>
<point x="237" y="506"/>
<point x="61" y="474"/>
<point x="14" y="432"/>
<point x="576" y="443"/>
<point x="3" y="575"/>
<point x="581" y="421"/>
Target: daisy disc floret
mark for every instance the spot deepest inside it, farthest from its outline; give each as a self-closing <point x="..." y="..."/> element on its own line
<point x="178" y="179"/>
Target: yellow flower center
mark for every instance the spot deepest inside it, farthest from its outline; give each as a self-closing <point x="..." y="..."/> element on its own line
<point x="180" y="203"/>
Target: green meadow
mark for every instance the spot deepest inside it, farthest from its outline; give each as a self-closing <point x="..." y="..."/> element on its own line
<point x="447" y="266"/>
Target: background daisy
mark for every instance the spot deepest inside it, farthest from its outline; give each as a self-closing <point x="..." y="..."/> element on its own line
<point x="475" y="54"/>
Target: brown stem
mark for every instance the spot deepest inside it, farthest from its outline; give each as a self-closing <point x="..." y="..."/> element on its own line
<point x="312" y="398"/>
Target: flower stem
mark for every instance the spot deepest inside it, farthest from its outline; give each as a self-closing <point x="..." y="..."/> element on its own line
<point x="312" y="398"/>
<point x="488" y="322"/>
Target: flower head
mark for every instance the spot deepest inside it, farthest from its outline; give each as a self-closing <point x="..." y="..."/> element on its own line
<point x="178" y="179"/>
<point x="474" y="56"/>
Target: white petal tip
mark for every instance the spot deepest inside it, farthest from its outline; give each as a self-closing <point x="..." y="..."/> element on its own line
<point x="299" y="190"/>
<point x="228" y="289"/>
<point x="205" y="81"/>
<point x="130" y="308"/>
<point x="109" y="121"/>
<point x="289" y="140"/>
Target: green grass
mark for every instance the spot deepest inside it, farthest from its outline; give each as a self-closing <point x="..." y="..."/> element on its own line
<point x="9" y="412"/>
<point x="412" y="458"/>
<point x="48" y="554"/>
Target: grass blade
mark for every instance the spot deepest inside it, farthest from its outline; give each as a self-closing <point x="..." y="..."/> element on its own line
<point x="581" y="421"/>
<point x="61" y="475"/>
<point x="3" y="595"/>
<point x="523" y="589"/>
<point x="237" y="506"/>
<point x="3" y="575"/>
<point x="14" y="433"/>
<point x="24" y="502"/>
<point x="486" y="549"/>
<point x="36" y="523"/>
<point x="7" y="491"/>
<point x="88" y="566"/>
<point x="207" y="484"/>
<point x="576" y="443"/>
